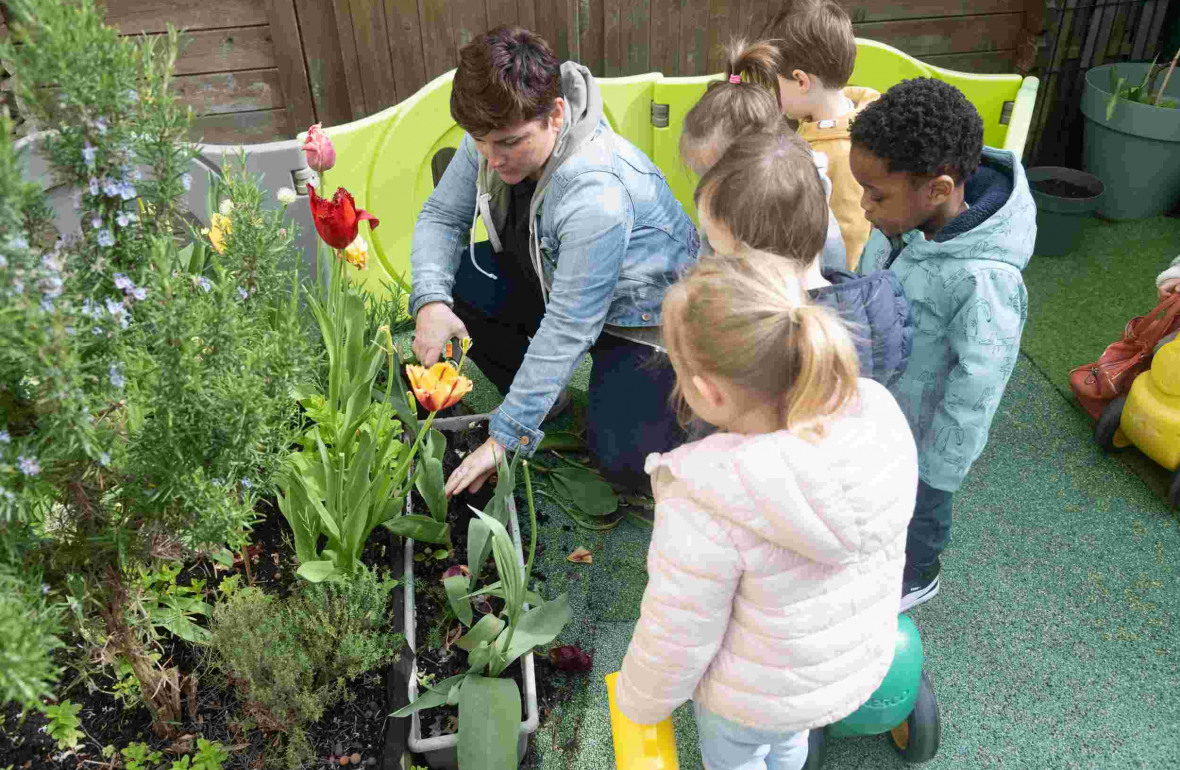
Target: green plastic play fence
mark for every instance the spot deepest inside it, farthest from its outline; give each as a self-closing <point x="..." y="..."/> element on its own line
<point x="384" y="160"/>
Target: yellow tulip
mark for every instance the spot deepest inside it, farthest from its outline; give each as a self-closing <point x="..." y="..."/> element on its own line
<point x="217" y="233"/>
<point x="439" y="386"/>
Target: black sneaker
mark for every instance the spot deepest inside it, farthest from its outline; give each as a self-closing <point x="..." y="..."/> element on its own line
<point x="919" y="585"/>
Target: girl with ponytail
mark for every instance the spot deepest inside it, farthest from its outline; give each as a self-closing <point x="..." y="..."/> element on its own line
<point x="746" y="99"/>
<point x="779" y="541"/>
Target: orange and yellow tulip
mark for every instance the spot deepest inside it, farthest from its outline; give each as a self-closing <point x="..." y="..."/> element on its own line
<point x="439" y="386"/>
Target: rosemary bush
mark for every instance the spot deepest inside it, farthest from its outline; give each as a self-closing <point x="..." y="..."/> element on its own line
<point x="145" y="366"/>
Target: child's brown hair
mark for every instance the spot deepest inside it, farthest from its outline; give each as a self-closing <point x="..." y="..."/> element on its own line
<point x="746" y="98"/>
<point x="765" y="190"/>
<point x="745" y="319"/>
<point x="814" y="36"/>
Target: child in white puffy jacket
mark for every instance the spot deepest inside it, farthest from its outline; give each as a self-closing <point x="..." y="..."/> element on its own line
<point x="779" y="541"/>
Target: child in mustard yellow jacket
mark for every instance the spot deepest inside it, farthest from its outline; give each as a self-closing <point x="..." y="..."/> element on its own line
<point x="817" y="51"/>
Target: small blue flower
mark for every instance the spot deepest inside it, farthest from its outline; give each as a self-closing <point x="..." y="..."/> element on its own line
<point x="247" y="484"/>
<point x="47" y="304"/>
<point x="88" y="155"/>
<point x="96" y="221"/>
<point x="97" y="332"/>
<point x="136" y="175"/>
<point x="127" y="191"/>
<point x="132" y="95"/>
<point x="217" y="482"/>
<point x="132" y="216"/>
<point x="18" y="287"/>
<point x="94" y="187"/>
<point x="122" y="282"/>
<point x="105" y="238"/>
<point x="51" y="263"/>
<point x="115" y="375"/>
<point x="51" y="287"/>
<point x="70" y="330"/>
<point x="203" y="282"/>
<point x="91" y="310"/>
<point x="18" y="243"/>
<point x="122" y="219"/>
<point x="29" y="465"/>
<point x="104" y="459"/>
<point x="186" y="179"/>
<point x="115" y="307"/>
<point x="111" y="188"/>
<point x="243" y="293"/>
<point x="100" y="126"/>
<point x="4" y="437"/>
<point x="139" y="293"/>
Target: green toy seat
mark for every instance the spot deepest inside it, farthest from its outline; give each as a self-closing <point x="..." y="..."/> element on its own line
<point x="388" y="160"/>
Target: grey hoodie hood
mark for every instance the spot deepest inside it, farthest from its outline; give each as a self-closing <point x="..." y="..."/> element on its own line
<point x="582" y="116"/>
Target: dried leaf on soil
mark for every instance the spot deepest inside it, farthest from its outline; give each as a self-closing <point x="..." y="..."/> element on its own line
<point x="581" y="555"/>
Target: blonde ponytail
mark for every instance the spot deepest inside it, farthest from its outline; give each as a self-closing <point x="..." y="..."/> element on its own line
<point x="746" y="320"/>
<point x="756" y="64"/>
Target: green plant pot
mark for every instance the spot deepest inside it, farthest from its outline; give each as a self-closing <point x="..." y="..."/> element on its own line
<point x="1067" y="196"/>
<point x="1136" y="153"/>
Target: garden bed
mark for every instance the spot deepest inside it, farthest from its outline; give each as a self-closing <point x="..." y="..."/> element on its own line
<point x="360" y="725"/>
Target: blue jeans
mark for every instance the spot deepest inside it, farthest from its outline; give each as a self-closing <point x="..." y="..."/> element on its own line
<point x="726" y="745"/>
<point x="630" y="414"/>
<point x="930" y="529"/>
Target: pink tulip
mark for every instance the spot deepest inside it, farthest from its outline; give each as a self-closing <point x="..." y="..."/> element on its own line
<point x="321" y="155"/>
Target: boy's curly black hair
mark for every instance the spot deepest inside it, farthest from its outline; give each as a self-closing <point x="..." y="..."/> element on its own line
<point x="922" y="126"/>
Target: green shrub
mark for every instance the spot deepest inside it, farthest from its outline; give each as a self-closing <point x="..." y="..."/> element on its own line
<point x="28" y="628"/>
<point x="295" y="656"/>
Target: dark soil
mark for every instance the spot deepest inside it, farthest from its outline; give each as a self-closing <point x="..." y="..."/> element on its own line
<point x="1059" y="188"/>
<point x="355" y="726"/>
<point x="435" y="626"/>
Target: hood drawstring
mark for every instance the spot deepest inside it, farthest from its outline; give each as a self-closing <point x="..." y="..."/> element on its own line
<point x="482" y="209"/>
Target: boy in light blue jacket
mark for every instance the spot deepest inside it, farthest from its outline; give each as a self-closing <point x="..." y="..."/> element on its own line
<point x="956" y="222"/>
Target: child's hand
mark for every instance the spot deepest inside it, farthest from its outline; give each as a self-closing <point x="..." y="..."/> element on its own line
<point x="1170" y="286"/>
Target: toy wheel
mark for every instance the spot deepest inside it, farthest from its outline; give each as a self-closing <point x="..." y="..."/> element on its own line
<point x="916" y="739"/>
<point x="816" y="748"/>
<point x="1108" y="424"/>
<point x="1174" y="490"/>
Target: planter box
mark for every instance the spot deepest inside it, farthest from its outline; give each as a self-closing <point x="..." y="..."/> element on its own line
<point x="1059" y="218"/>
<point x="442" y="752"/>
<point x="1136" y="153"/>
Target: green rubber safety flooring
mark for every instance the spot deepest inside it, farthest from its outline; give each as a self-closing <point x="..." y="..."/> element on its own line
<point x="1054" y="641"/>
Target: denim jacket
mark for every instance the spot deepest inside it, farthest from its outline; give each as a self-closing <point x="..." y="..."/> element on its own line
<point x="607" y="237"/>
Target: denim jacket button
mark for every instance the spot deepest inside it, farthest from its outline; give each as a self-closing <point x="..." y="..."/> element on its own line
<point x="524" y="440"/>
<point x="647" y="316"/>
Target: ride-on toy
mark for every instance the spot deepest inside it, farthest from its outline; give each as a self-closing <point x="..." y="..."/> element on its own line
<point x="903" y="706"/>
<point x="1148" y="416"/>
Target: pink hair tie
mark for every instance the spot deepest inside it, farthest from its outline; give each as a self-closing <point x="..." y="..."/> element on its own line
<point x="735" y="78"/>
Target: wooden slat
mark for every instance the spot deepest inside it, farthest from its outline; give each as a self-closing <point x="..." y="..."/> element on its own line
<point x="892" y="10"/>
<point x="135" y="16"/>
<point x="636" y="35"/>
<point x="722" y="16"/>
<point x="469" y="19"/>
<point x="372" y="48"/>
<point x="349" y="58"/>
<point x="405" y="45"/>
<point x="526" y="13"/>
<point x="612" y="38"/>
<point x="694" y="37"/>
<point x="292" y="70"/>
<point x="243" y="127"/>
<point x="665" y="37"/>
<point x="757" y="13"/>
<point x="325" y="62"/>
<point x="948" y="35"/>
<point x="554" y="24"/>
<point x="984" y="63"/>
<point x="230" y="91"/>
<point x="225" y="50"/>
<point x="438" y="39"/>
<point x="591" y="16"/>
<point x="502" y="12"/>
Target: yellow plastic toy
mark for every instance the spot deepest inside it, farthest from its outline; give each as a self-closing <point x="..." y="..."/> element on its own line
<point x="640" y="747"/>
<point x="1149" y="416"/>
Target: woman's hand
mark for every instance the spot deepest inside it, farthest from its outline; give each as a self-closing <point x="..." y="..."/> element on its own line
<point x="1170" y="286"/>
<point x="436" y="323"/>
<point x="475" y="469"/>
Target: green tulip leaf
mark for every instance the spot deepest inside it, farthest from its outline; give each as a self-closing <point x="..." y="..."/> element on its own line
<point x="489" y="723"/>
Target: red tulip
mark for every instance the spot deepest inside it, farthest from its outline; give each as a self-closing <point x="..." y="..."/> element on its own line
<point x="571" y="657"/>
<point x="338" y="220"/>
<point x="321" y="155"/>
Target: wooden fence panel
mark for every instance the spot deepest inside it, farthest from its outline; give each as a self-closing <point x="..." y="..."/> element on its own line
<point x="135" y="16"/>
<point x="217" y="50"/>
<point x="694" y="37"/>
<point x="296" y="89"/>
<point x="326" y="76"/>
<point x="591" y="33"/>
<point x="438" y="37"/>
<point x="665" y="37"/>
<point x="636" y="36"/>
